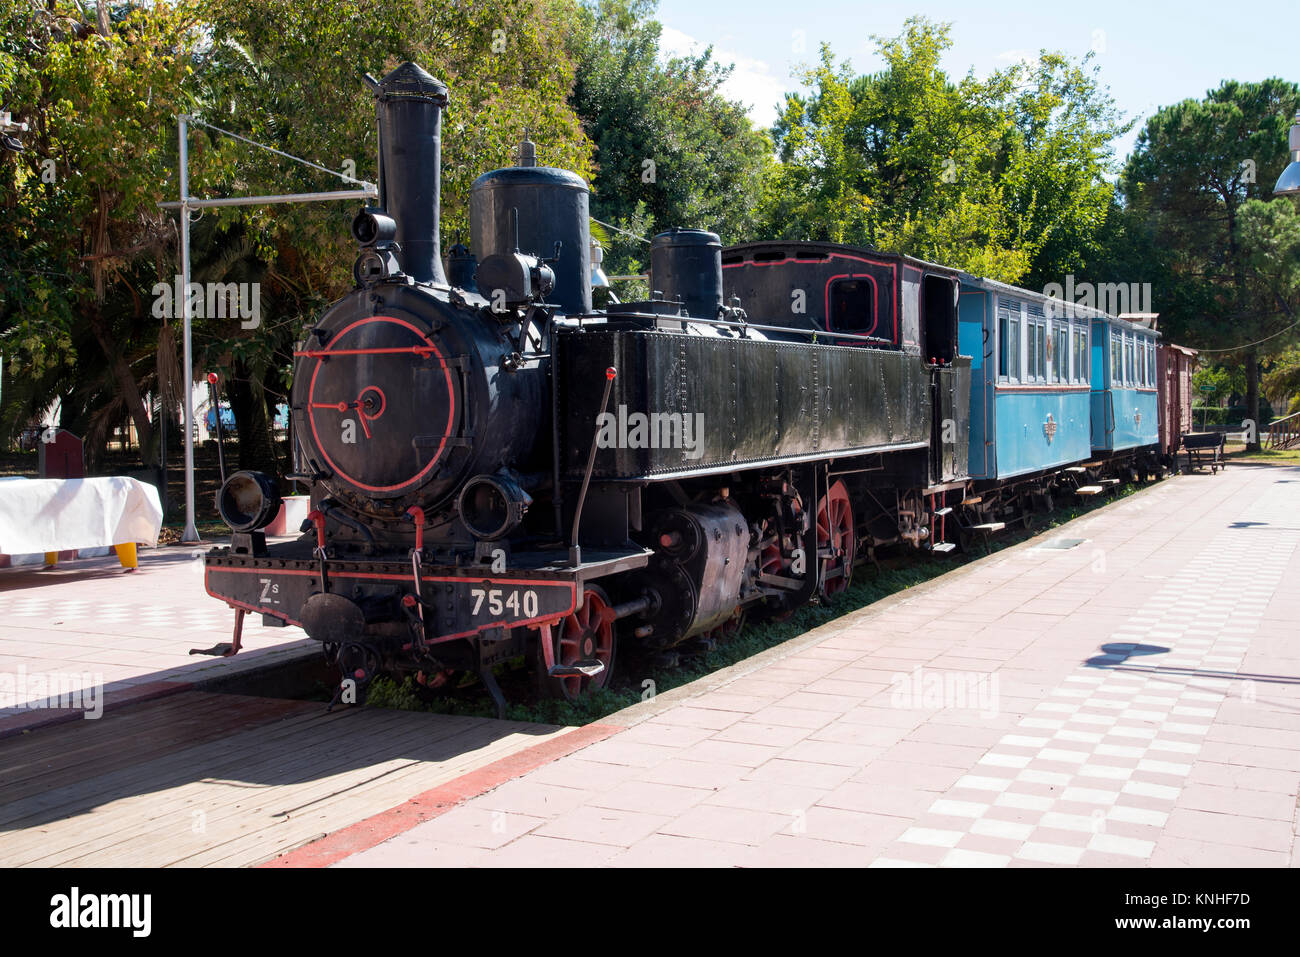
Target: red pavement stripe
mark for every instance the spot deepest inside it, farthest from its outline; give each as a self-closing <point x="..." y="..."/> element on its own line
<point x="423" y="807"/>
<point x="44" y="717"/>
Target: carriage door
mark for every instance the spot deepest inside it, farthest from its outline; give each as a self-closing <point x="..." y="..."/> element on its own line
<point x="949" y="380"/>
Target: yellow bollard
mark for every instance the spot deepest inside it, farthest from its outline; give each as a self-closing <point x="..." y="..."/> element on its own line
<point x="126" y="556"/>
<point x="51" y="559"/>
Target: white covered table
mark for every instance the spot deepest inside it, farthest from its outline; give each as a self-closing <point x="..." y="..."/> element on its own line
<point x="54" y="515"/>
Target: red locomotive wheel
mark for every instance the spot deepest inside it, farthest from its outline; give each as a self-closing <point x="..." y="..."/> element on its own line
<point x="585" y="635"/>
<point x="835" y="541"/>
<point x="773" y="561"/>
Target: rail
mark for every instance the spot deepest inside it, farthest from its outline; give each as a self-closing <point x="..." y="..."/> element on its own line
<point x="1283" y="433"/>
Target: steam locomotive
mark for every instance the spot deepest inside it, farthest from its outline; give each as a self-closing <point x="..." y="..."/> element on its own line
<point x="497" y="469"/>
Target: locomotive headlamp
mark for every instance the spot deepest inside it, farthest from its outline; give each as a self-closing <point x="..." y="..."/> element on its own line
<point x="1288" y="184"/>
<point x="514" y="278"/>
<point x="248" y="501"/>
<point x="492" y="506"/>
<point x="372" y="226"/>
<point x="375" y="265"/>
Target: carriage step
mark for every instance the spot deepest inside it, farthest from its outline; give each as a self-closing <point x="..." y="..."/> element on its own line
<point x="989" y="527"/>
<point x="1089" y="490"/>
<point x="1108" y="482"/>
<point x="972" y="501"/>
<point x="942" y="511"/>
<point x="586" y="668"/>
<point x="942" y="547"/>
<point x="1076" y="469"/>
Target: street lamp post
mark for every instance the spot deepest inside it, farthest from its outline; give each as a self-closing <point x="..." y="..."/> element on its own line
<point x="191" y="533"/>
<point x="366" y="191"/>
<point x="1288" y="184"/>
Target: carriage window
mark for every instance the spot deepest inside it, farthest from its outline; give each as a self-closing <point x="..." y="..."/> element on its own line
<point x="1081" y="355"/>
<point x="1116" y="358"/>
<point x="1037" y="339"/>
<point x="1061" y="358"/>
<point x="1009" y="344"/>
<point x="853" y="306"/>
<point x="1130" y="374"/>
<point x="1151" y="363"/>
<point x="1031" y="352"/>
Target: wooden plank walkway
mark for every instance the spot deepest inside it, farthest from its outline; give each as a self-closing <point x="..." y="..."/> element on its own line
<point x="202" y="779"/>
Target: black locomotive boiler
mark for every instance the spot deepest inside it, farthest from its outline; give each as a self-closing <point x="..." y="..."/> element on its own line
<point x="497" y="469"/>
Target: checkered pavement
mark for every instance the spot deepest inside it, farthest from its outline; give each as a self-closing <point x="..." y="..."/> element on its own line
<point x="1100" y="763"/>
<point x="87" y="621"/>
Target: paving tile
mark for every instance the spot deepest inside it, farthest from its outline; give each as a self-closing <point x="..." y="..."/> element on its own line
<point x="791" y="851"/>
<point x="1229" y="829"/>
<point x="825" y="776"/>
<point x="736" y="825"/>
<point x="767" y="796"/>
<point x="532" y="850"/>
<point x="474" y="826"/>
<point x="692" y="774"/>
<point x="598" y="825"/>
<point x="667" y="850"/>
<point x="650" y="797"/>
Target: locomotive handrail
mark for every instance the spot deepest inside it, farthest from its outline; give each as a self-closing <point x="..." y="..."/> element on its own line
<point x="575" y="550"/>
<point x="765" y="328"/>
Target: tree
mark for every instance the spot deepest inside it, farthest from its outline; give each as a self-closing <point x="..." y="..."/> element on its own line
<point x="85" y="247"/>
<point x="1004" y="177"/>
<point x="670" y="149"/>
<point x="1200" y="175"/>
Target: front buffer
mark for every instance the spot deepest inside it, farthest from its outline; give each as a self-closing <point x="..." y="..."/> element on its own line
<point x="395" y="614"/>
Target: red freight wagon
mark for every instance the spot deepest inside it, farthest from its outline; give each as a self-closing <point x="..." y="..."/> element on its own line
<point x="1174" y="366"/>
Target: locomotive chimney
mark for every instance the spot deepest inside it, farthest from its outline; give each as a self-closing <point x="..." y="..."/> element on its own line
<point x="408" y="105"/>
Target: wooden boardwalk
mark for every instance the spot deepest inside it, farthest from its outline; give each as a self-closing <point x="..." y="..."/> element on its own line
<point x="200" y="779"/>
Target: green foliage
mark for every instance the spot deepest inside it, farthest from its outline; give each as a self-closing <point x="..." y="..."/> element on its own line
<point x="1214" y="385"/>
<point x="81" y="255"/>
<point x="1004" y="177"/>
<point x="82" y="227"/>
<point x="1283" y="379"/>
<point x="1223" y="252"/>
<point x="1199" y="180"/>
<point x="641" y="108"/>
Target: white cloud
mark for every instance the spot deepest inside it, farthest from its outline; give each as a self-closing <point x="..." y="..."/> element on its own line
<point x="751" y="81"/>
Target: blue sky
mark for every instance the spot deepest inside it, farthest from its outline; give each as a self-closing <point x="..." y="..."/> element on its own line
<point x="1150" y="54"/>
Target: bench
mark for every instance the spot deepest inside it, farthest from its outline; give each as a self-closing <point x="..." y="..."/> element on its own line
<point x="1204" y="450"/>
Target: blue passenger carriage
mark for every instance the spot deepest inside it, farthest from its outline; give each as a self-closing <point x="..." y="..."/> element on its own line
<point x="1125" y="403"/>
<point x="1030" y="378"/>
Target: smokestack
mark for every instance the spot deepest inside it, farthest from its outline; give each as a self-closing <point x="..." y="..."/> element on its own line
<point x="409" y="104"/>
